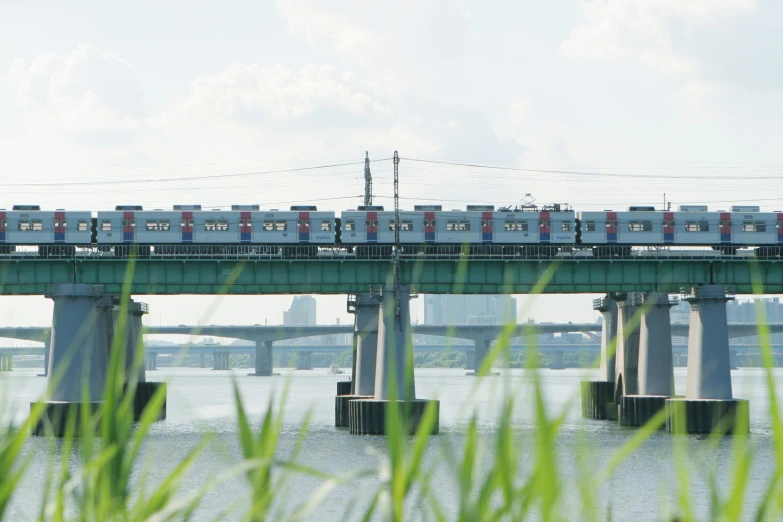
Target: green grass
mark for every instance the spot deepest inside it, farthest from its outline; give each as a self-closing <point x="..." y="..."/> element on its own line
<point x="500" y="474"/>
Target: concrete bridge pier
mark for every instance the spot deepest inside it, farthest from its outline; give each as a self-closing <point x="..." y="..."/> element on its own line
<point x="152" y="361"/>
<point x="365" y="308"/>
<point x="221" y="361"/>
<point x="304" y="360"/>
<point x="253" y="360"/>
<point x="394" y="379"/>
<point x="262" y="359"/>
<point x="557" y="360"/>
<point x="6" y="363"/>
<point x="481" y="349"/>
<point x="655" y="366"/>
<point x="47" y="347"/>
<point x="470" y="361"/>
<point x="708" y="404"/>
<point x="203" y="360"/>
<point x="79" y="352"/>
<point x="598" y="396"/>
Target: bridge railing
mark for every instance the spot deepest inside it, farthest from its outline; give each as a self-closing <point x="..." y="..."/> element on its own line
<point x="411" y="252"/>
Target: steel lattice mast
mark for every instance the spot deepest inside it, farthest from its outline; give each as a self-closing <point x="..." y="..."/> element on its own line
<point x="397" y="250"/>
<point x="367" y="180"/>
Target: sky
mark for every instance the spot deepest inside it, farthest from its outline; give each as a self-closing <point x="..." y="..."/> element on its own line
<point x="630" y="102"/>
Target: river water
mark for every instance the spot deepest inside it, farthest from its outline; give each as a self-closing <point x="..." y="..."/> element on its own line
<point x="200" y="401"/>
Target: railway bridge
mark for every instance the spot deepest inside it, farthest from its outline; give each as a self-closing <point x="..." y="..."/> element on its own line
<point x="636" y="338"/>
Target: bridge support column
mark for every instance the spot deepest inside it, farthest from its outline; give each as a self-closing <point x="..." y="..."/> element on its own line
<point x="6" y="363"/>
<point x="481" y="349"/>
<point x="394" y="379"/>
<point x="708" y="404"/>
<point x="152" y="361"/>
<point x="79" y="352"/>
<point x="203" y="360"/>
<point x="598" y="396"/>
<point x="263" y="359"/>
<point x="470" y="361"/>
<point x="365" y="308"/>
<point x="557" y="360"/>
<point x="304" y="360"/>
<point x="656" y="365"/>
<point x="47" y="347"/>
<point x="132" y="344"/>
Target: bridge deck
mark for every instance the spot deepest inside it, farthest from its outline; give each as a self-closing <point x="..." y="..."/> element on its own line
<point x="341" y="275"/>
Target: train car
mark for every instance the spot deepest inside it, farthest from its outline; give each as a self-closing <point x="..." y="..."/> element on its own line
<point x="54" y="232"/>
<point x="747" y="226"/>
<point x="430" y="229"/>
<point x="189" y="229"/>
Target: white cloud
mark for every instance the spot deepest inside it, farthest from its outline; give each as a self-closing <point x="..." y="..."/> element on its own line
<point x="88" y="90"/>
<point x="649" y="31"/>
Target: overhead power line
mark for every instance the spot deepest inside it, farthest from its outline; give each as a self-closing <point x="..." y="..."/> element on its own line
<point x="186" y="178"/>
<point x="577" y="172"/>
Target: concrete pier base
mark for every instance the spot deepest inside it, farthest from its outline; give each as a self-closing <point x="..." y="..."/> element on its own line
<point x="144" y="393"/>
<point x="598" y="400"/>
<point x="368" y="416"/>
<point x="637" y="410"/>
<point x="724" y="416"/>
<point x="344" y="387"/>
<point x="598" y="397"/>
<point x="54" y="420"/>
<point x="341" y="408"/>
<point x="480" y="352"/>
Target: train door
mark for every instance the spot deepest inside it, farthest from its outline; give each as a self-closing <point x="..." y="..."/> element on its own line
<point x="128" y="227"/>
<point x="59" y="227"/>
<point x="303" y="225"/>
<point x="245" y="227"/>
<point x="429" y="227"/>
<point x="611" y="228"/>
<point x="186" y="227"/>
<point x="668" y="228"/>
<point x="544" y="227"/>
<point x="725" y="228"/>
<point x="487" y="227"/>
<point x="371" y="226"/>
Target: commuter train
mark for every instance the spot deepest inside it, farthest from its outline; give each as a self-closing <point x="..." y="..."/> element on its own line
<point x="370" y="230"/>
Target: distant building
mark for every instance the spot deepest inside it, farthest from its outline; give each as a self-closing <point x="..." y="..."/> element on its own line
<point x="469" y="309"/>
<point x="301" y="312"/>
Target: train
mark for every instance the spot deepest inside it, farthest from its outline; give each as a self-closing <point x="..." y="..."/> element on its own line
<point x="368" y="231"/>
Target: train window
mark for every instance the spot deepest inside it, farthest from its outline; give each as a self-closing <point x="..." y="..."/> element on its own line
<point x="4" y="223"/>
<point x="349" y="226"/>
<point x="24" y="226"/>
<point x="611" y="224"/>
<point x="280" y="226"/>
<point x="487" y="222"/>
<point x="725" y="223"/>
<point x="59" y="223"/>
<point x="669" y="223"/>
<point x="164" y="225"/>
<point x="106" y="225"/>
<point x="589" y="226"/>
<point x="186" y="223"/>
<point x="152" y="225"/>
<point x="210" y="225"/>
<point x="371" y="223"/>
<point x="37" y="225"/>
<point x="405" y="226"/>
<point x="544" y="223"/>
<point x="515" y="225"/>
<point x="697" y="226"/>
<point x="750" y="226"/>
<point x="222" y="225"/>
<point x="303" y="223"/>
<point x="245" y="222"/>
<point x="81" y="226"/>
<point x="128" y="222"/>
<point x="640" y="226"/>
<point x="268" y="226"/>
<point x="326" y="226"/>
<point x="429" y="222"/>
<point x="565" y="227"/>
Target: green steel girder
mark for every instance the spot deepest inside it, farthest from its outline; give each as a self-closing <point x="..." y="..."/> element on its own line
<point x="265" y="276"/>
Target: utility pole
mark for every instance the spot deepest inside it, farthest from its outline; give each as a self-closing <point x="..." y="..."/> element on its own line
<point x="367" y="180"/>
<point x="397" y="252"/>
